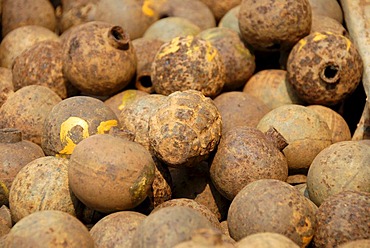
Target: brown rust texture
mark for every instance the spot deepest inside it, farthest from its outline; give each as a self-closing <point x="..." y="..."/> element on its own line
<point x="271" y="24"/>
<point x="269" y="205"/>
<point x="27" y="109"/>
<point x="194" y="205"/>
<point x="94" y="61"/>
<point x="238" y="60"/>
<point x="324" y="68"/>
<point x="17" y="13"/>
<point x="169" y="226"/>
<point x="6" y="84"/>
<point x="41" y="185"/>
<point x="135" y="117"/>
<point x="21" y="39"/>
<point x="73" y="120"/>
<point x="51" y="229"/>
<point x="161" y="189"/>
<point x="343" y="217"/>
<point x="41" y="64"/>
<point x="185" y="128"/>
<point x="72" y="14"/>
<point x="195" y="183"/>
<point x="246" y="152"/>
<point x="105" y="231"/>
<point x="188" y="63"/>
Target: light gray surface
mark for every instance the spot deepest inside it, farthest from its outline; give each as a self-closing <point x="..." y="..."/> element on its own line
<point x="357" y="19"/>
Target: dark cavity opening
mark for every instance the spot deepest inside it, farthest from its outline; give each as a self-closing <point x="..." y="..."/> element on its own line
<point x="117" y="34"/>
<point x="119" y="38"/>
<point x="145" y="81"/>
<point x="163" y="16"/>
<point x="331" y="71"/>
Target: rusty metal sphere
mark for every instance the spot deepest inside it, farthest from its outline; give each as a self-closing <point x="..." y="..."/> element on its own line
<point x="274" y="25"/>
<point x="269" y="205"/>
<point x="185" y="128"/>
<point x="109" y="173"/>
<point x="73" y="120"/>
<point x="342" y="218"/>
<point x="188" y="63"/>
<point x="98" y="58"/>
<point x="324" y="68"/>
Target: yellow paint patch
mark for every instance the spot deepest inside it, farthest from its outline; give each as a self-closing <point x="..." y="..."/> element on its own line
<point x="348" y="42"/>
<point x="172" y="47"/>
<point x="211" y="52"/>
<point x="319" y="36"/>
<point x="306" y="240"/>
<point x="65" y="130"/>
<point x="128" y="97"/>
<point x="105" y="126"/>
<point x="4" y="189"/>
<point x="146" y="8"/>
<point x="301" y="43"/>
<point x="140" y="189"/>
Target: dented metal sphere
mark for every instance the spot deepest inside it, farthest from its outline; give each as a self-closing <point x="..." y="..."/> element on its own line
<point x="324" y="68"/>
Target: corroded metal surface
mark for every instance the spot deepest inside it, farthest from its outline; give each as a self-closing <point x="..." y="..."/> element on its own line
<point x="357" y="18"/>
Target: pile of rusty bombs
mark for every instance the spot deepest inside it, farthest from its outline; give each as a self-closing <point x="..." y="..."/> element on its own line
<point x="184" y="123"/>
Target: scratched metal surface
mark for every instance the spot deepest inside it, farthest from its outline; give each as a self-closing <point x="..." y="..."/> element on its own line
<point x="357" y="18"/>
